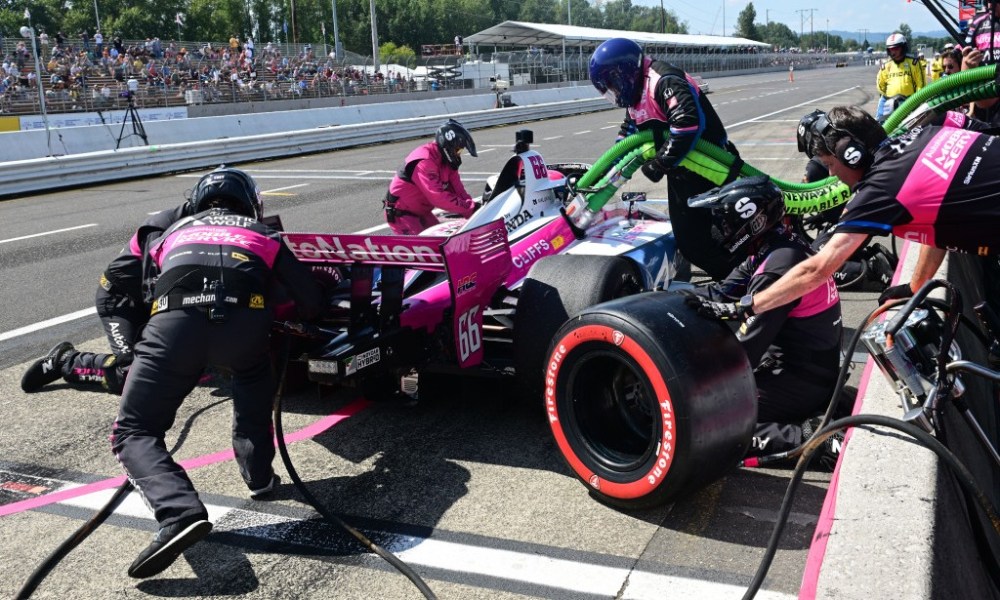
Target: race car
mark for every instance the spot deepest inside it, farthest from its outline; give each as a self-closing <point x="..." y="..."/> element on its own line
<point x="481" y="296"/>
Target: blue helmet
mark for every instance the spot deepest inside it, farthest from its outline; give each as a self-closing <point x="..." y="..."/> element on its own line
<point x="616" y="71"/>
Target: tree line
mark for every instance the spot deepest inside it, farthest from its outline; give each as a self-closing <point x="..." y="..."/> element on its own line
<point x="402" y="23"/>
<point x="781" y="36"/>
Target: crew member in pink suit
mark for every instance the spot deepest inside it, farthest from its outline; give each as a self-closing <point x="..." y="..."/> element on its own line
<point x="429" y="179"/>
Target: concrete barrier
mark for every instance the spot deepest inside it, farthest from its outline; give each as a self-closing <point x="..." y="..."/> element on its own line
<point x="895" y="524"/>
<point x="184" y="144"/>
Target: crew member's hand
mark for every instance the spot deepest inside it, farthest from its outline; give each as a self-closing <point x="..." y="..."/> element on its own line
<point x="896" y="292"/>
<point x="723" y="311"/>
<point x="655" y="169"/>
<point x="971" y="57"/>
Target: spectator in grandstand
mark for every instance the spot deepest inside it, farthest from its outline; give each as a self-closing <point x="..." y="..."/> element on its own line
<point x="458" y="44"/>
<point x="98" y="43"/>
<point x="429" y="179"/>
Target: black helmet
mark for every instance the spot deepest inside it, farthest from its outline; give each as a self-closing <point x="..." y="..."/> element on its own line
<point x="450" y="138"/>
<point x="227" y="188"/>
<point x="742" y="211"/>
<point x="804" y="134"/>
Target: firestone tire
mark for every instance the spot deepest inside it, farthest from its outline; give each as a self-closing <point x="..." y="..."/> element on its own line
<point x="648" y="401"/>
<point x="556" y="288"/>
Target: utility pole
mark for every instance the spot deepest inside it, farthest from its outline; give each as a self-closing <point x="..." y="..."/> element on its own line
<point x="802" y="13"/>
<point x="767" y="18"/>
<point x="828" y="35"/>
<point x="865" y="38"/>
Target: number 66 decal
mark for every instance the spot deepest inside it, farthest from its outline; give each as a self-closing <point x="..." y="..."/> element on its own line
<point x="469" y="338"/>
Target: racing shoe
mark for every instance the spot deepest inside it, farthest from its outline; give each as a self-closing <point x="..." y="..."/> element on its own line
<point x="46" y="369"/>
<point x="264" y="492"/>
<point x="825" y="457"/>
<point x="168" y="544"/>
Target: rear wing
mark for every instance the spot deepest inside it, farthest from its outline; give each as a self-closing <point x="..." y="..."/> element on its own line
<point x="476" y="262"/>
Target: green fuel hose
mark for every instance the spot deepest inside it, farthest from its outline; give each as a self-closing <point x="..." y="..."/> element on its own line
<point x="619" y="163"/>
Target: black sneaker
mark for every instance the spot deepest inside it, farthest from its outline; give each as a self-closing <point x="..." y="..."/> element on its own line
<point x="825" y="457"/>
<point x="264" y="492"/>
<point x="46" y="369"/>
<point x="168" y="544"/>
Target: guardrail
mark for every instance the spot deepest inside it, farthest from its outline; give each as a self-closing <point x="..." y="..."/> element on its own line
<point x="39" y="174"/>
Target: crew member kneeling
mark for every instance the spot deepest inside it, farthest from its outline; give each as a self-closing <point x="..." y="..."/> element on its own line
<point x="212" y="308"/>
<point x="429" y="179"/>
<point x="794" y="348"/>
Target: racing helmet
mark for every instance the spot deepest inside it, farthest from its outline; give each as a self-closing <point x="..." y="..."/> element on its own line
<point x="896" y="40"/>
<point x="452" y="137"/>
<point x="227" y="188"/>
<point x="742" y="211"/>
<point x="804" y="133"/>
<point x="616" y="71"/>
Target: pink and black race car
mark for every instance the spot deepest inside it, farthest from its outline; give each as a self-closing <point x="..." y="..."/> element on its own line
<point x="484" y="295"/>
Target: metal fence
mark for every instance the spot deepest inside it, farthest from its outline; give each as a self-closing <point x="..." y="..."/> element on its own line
<point x="200" y="72"/>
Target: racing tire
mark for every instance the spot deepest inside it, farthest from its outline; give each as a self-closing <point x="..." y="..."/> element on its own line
<point x="556" y="288"/>
<point x="647" y="401"/>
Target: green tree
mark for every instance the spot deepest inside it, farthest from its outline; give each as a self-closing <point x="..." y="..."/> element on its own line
<point x="745" y="27"/>
<point x="539" y="11"/>
<point x="778" y="35"/>
<point x="906" y="31"/>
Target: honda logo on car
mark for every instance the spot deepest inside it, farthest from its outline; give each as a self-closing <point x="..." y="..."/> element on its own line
<point x="360" y="248"/>
<point x="518" y="220"/>
<point x="465" y="284"/>
<point x="531" y="253"/>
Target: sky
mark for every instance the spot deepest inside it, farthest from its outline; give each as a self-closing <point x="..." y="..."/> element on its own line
<point x="705" y="16"/>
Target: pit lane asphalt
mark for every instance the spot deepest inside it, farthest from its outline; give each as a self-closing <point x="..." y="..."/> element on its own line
<point x="467" y="487"/>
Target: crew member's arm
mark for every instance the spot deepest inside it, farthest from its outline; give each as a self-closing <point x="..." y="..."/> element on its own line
<point x="441" y="191"/>
<point x="882" y="80"/>
<point x="679" y="99"/>
<point x="810" y="273"/>
<point x="928" y="263"/>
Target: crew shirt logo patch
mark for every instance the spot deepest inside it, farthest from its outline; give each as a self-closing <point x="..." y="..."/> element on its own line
<point x="256" y="301"/>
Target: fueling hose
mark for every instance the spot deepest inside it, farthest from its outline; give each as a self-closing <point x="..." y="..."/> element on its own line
<point x="90" y="525"/>
<point x="327" y="514"/>
<point x="714" y="163"/>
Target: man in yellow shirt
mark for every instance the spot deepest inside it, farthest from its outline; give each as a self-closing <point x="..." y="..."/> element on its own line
<point x="900" y="76"/>
<point x="937" y="66"/>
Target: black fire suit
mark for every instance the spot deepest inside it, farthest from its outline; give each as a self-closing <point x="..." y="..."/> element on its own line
<point x="671" y="100"/>
<point x="122" y="309"/>
<point x="795" y="349"/>
<point x="216" y="254"/>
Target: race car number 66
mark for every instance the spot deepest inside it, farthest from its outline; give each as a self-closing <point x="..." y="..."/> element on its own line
<point x="469" y="339"/>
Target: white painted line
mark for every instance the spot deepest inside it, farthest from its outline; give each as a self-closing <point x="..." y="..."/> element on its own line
<point x="771" y="114"/>
<point x="611" y="127"/>
<point x="777" y="121"/>
<point x="522" y="567"/>
<point x="287" y="187"/>
<point x="373" y="229"/>
<point x="581" y="132"/>
<point x="34" y="235"/>
<point x="13" y="333"/>
<point x="555" y="137"/>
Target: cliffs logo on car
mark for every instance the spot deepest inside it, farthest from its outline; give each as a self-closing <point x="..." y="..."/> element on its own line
<point x="466" y="284"/>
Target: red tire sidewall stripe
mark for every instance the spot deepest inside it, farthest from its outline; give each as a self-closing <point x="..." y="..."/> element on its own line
<point x="650" y="480"/>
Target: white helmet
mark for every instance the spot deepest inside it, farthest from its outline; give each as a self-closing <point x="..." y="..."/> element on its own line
<point x="896" y="39"/>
